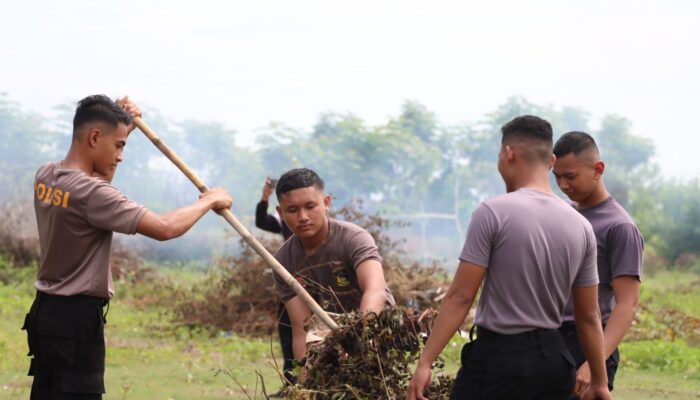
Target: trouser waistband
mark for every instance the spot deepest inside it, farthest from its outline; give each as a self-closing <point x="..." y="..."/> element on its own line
<point x="539" y="333"/>
<point x="76" y="298"/>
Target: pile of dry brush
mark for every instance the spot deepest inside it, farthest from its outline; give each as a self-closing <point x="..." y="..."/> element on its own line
<point x="369" y="358"/>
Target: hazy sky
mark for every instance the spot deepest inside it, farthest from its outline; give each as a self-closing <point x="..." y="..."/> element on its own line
<point x="249" y="63"/>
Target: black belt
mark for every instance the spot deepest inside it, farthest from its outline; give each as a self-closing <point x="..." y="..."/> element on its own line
<point x="569" y="326"/>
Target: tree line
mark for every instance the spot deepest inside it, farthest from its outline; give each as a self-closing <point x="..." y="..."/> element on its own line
<point x="412" y="168"/>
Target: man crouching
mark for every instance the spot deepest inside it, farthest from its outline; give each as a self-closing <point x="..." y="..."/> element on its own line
<point x="337" y="262"/>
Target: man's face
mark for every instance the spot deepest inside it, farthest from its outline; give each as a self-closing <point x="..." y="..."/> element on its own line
<point x="304" y="211"/>
<point x="109" y="149"/>
<point x="576" y="176"/>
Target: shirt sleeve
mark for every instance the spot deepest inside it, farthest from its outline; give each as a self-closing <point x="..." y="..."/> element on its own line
<point x="361" y="247"/>
<point x="588" y="272"/>
<point x="265" y="221"/>
<point x="108" y="209"/>
<point x="480" y="237"/>
<point x="626" y="250"/>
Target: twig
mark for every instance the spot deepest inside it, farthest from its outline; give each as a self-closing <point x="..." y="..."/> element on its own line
<point x="262" y="384"/>
<point x="230" y="375"/>
<point x="381" y="371"/>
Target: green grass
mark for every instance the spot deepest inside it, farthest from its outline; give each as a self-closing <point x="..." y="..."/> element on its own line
<point x="672" y="290"/>
<point x="147" y="359"/>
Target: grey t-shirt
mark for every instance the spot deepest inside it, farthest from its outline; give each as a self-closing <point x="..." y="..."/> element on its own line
<point x="535" y="248"/>
<point x="76" y="215"/>
<point x="331" y="269"/>
<point x="620" y="249"/>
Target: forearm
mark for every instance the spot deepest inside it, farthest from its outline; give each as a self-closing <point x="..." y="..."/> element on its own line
<point x="179" y="221"/>
<point x="299" y="344"/>
<point x="619" y="321"/>
<point x="373" y="301"/>
<point x="452" y="313"/>
<point x="590" y="334"/>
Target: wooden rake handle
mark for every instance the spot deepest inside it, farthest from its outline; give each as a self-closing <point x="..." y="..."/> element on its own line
<point x="233" y="221"/>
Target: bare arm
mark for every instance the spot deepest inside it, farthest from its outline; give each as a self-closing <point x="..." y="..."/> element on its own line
<point x="626" y="300"/>
<point x="175" y="223"/>
<point x="454" y="308"/>
<point x="590" y="334"/>
<point x="299" y="314"/>
<point x="370" y="277"/>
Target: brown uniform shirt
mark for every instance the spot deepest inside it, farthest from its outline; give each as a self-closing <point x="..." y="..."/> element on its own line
<point x="76" y="215"/>
<point x="331" y="269"/>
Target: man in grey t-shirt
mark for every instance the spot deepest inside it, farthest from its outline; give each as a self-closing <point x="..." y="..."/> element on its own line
<point x="337" y="262"/>
<point x="579" y="173"/>
<point x="77" y="210"/>
<point x="531" y="251"/>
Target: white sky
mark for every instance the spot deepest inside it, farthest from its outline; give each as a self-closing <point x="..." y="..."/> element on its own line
<point x="249" y="63"/>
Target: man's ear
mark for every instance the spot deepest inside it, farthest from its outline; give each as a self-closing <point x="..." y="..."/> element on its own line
<point x="327" y="201"/>
<point x="510" y="153"/>
<point x="552" y="161"/>
<point x="93" y="136"/>
<point x="279" y="211"/>
<point x="598" y="168"/>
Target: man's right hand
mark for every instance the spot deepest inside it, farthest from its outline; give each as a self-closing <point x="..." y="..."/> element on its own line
<point x="597" y="392"/>
<point x="267" y="189"/>
<point x="220" y="200"/>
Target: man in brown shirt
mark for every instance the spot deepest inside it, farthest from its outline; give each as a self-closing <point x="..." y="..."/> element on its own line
<point x="336" y="261"/>
<point x="76" y="212"/>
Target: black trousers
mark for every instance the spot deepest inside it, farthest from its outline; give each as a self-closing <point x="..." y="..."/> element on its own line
<point x="568" y="330"/>
<point x="66" y="340"/>
<point x="534" y="365"/>
<point x="284" y="330"/>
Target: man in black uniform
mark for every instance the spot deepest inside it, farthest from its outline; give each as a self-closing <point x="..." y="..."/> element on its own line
<point x="275" y="224"/>
<point x="77" y="210"/>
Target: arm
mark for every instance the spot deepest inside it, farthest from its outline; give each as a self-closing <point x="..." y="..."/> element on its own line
<point x="626" y="300"/>
<point x="299" y="314"/>
<point x="453" y="310"/>
<point x="265" y="221"/>
<point x="175" y="223"/>
<point x="590" y="333"/>
<point x="370" y="276"/>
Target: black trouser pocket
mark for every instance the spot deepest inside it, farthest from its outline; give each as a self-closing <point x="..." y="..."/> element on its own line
<point x="466" y="350"/>
<point x="30" y="326"/>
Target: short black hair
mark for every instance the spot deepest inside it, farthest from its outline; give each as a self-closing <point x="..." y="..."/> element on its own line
<point x="100" y="108"/>
<point x="298" y="178"/>
<point x="535" y="130"/>
<point x="576" y="142"/>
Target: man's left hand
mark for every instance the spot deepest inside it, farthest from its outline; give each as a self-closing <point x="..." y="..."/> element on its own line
<point x="131" y="108"/>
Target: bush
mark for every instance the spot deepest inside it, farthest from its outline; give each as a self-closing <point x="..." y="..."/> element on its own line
<point x="19" y="240"/>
